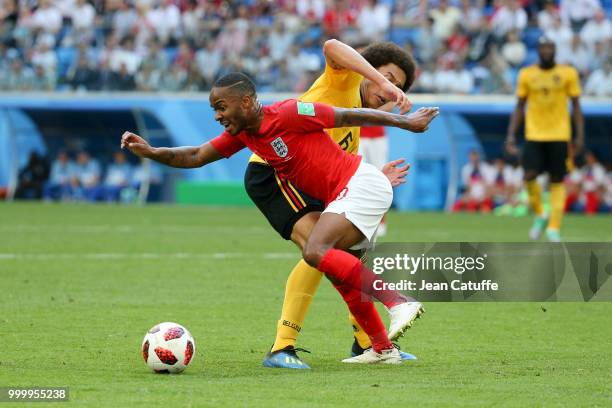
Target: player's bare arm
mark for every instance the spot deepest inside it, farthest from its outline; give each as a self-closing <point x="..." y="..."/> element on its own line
<point x="417" y="122"/>
<point x="186" y="157"/>
<point x="340" y="56"/>
<point x="515" y="121"/>
<point x="578" y="125"/>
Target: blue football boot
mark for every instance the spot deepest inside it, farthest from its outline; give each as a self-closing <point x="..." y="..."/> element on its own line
<point x="285" y="358"/>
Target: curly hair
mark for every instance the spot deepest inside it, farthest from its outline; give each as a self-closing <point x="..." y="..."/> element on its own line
<point x="383" y="53"/>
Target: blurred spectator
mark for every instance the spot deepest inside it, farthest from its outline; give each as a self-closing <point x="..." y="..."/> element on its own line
<point x="475" y="195"/>
<point x="194" y="81"/>
<point x="231" y="39"/>
<point x="47" y="19"/>
<point x="562" y="35"/>
<point x="586" y="186"/>
<point x="337" y="18"/>
<point x="547" y="16"/>
<point x="174" y="80"/>
<point x="602" y="53"/>
<point x="427" y="43"/>
<point x="32" y="177"/>
<point x="124" y="19"/>
<point x="82" y="16"/>
<point x="409" y="13"/>
<point x="147" y="79"/>
<point x="118" y="177"/>
<point x="454" y="80"/>
<point x="19" y="76"/>
<point x="123" y="80"/>
<point x="471" y="16"/>
<point x="125" y="57"/>
<point x="165" y="19"/>
<point x="499" y="179"/>
<point x="374" y="20"/>
<point x="514" y="51"/>
<point x="578" y="55"/>
<point x="59" y="185"/>
<point x="459" y="42"/>
<point x="280" y="40"/>
<point x="42" y="80"/>
<point x="481" y="41"/>
<point x="600" y="81"/>
<point x="597" y="29"/>
<point x="495" y="78"/>
<point x="185" y="55"/>
<point x="312" y="10"/>
<point x="155" y="57"/>
<point x="86" y="178"/>
<point x="576" y="13"/>
<point x="510" y="16"/>
<point x="82" y="76"/>
<point x="445" y="18"/>
<point x="45" y="57"/>
<point x="208" y="60"/>
<point x="607" y="200"/>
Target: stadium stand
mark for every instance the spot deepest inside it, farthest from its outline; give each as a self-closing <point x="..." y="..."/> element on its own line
<point x="159" y="45"/>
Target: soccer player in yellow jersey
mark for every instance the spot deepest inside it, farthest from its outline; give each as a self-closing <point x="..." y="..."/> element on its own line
<point x="545" y="89"/>
<point x="376" y="78"/>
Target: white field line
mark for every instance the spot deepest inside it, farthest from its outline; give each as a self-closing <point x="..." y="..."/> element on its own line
<point x="145" y="255"/>
<point x="96" y="229"/>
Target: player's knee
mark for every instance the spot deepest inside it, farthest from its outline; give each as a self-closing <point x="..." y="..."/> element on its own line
<point x="313" y="253"/>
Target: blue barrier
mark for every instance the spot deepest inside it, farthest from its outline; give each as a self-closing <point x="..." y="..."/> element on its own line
<point x="436" y="156"/>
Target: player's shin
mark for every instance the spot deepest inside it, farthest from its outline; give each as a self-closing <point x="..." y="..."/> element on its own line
<point x="364" y="311"/>
<point x="301" y="286"/>
<point x="347" y="269"/>
<point x="557" y="205"/>
<point x="534" y="191"/>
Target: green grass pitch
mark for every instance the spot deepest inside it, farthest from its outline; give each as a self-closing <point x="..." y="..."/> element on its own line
<point x="81" y="284"/>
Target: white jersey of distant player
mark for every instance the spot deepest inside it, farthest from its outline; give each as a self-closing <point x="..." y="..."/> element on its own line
<point x="608" y="192"/>
<point x="476" y="187"/>
<point x="375" y="150"/>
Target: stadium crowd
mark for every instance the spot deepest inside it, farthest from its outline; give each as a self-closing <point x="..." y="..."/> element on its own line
<point x="498" y="186"/>
<point x="82" y="179"/>
<point x="462" y="46"/>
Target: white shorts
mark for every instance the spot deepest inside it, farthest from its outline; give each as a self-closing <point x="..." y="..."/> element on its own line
<point x="364" y="200"/>
<point x="374" y="150"/>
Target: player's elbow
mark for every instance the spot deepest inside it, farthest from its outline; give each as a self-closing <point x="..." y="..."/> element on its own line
<point x="330" y="46"/>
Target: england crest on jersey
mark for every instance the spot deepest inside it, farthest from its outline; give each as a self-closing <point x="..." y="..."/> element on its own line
<point x="280" y="147"/>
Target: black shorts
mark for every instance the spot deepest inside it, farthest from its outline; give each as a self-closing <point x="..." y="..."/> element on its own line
<point x="550" y="157"/>
<point x="282" y="203"/>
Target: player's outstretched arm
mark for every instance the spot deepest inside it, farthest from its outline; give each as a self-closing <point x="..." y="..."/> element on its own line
<point x="415" y="122"/>
<point x="341" y="56"/>
<point x="182" y="157"/>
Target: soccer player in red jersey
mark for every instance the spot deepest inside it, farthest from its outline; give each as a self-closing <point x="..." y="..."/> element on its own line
<point x="290" y="136"/>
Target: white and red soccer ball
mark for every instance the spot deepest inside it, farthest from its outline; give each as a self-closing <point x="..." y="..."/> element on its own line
<point x="168" y="348"/>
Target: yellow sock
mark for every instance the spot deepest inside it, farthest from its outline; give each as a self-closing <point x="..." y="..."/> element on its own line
<point x="535" y="197"/>
<point x="301" y="287"/>
<point x="557" y="205"/>
<point x="360" y="335"/>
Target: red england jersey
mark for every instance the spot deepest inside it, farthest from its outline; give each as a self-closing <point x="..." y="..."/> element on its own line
<point x="292" y="139"/>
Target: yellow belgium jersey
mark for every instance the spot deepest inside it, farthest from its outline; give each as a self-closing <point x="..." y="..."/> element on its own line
<point x="338" y="88"/>
<point x="547" y="91"/>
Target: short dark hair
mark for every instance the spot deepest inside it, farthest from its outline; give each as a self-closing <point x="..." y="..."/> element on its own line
<point x="383" y="53"/>
<point x="238" y="82"/>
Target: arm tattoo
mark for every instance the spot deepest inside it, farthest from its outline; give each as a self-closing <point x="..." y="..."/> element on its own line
<point x="366" y="117"/>
<point x="181" y="157"/>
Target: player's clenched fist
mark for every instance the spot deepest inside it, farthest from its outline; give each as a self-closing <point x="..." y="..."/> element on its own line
<point x="135" y="144"/>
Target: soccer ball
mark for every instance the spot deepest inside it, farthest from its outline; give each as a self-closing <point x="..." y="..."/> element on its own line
<point x="168" y="348"/>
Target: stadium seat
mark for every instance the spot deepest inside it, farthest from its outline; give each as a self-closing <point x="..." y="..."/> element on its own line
<point x="531" y="36"/>
<point x="401" y="35"/>
<point x="66" y="56"/>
